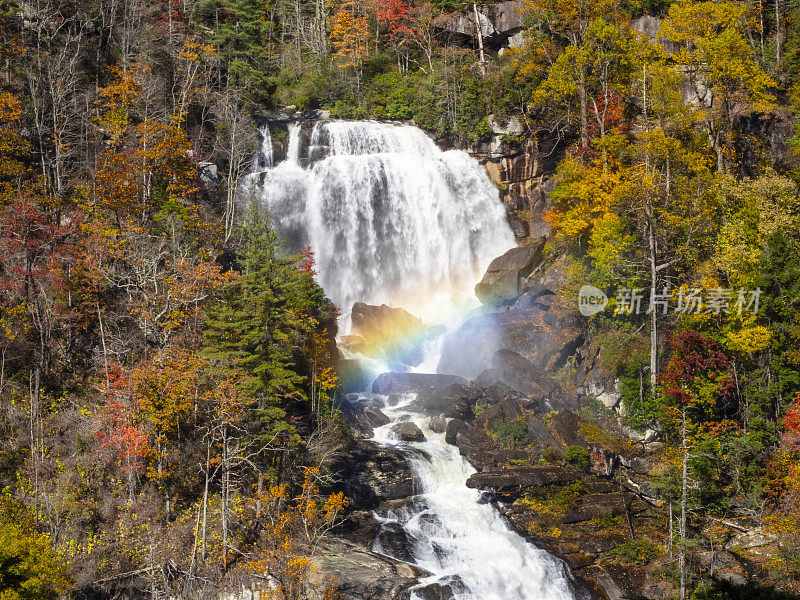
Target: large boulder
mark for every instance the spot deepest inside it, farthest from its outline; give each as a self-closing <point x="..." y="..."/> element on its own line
<point x="415" y="383"/>
<point x="498" y="23"/>
<point x="438" y="424"/>
<point x="503" y="279"/>
<point x="522" y="375"/>
<point x="361" y="416"/>
<point x="358" y="574"/>
<point x="371" y="474"/>
<point x="388" y="333"/>
<point x="454" y="426"/>
<point x="437" y="401"/>
<point x="408" y="432"/>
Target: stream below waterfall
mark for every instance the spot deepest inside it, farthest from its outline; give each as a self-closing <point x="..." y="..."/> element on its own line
<point x="457" y="536"/>
<point x="393" y="219"/>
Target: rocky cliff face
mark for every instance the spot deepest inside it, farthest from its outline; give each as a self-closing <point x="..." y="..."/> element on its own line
<point x="520" y="167"/>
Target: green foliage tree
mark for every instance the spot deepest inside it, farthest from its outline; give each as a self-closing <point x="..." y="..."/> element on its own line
<point x="241" y="34"/>
<point x="257" y="324"/>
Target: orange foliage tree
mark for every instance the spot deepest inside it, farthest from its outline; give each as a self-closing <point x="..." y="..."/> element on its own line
<point x="292" y="535"/>
<point x="350" y="34"/>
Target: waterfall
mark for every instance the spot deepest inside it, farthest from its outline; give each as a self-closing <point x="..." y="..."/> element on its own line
<point x="264" y="158"/>
<point x="391" y="218"/>
<point x="460" y="540"/>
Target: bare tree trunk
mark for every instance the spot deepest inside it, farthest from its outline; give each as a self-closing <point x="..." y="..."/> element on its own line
<point x="226" y="482"/>
<point x="651" y="242"/>
<point x="684" y="495"/>
<point x="479" y="34"/>
<point x="584" y="108"/>
<point x="778" y="35"/>
<point x="34" y="383"/>
<point x="205" y="502"/>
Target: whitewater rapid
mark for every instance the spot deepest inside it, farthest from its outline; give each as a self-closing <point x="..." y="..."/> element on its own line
<point x="392" y="219"/>
<point x="458" y="538"/>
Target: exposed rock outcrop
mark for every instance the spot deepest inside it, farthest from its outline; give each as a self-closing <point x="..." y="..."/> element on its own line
<point x="498" y="23"/>
<point x="358" y="574"/>
<point x="516" y="480"/>
<point x="506" y="273"/>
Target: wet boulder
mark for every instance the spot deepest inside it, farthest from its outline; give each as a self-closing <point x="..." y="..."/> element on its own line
<point x="435" y="591"/>
<point x="371" y="474"/>
<point x="393" y="541"/>
<point x="437" y="401"/>
<point x="453" y="428"/>
<point x="361" y="417"/>
<point x="438" y="424"/>
<point x="404" y="383"/>
<point x="408" y="432"/>
<point x="459" y="410"/>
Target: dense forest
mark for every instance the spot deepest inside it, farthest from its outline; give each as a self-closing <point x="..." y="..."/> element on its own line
<point x="167" y="370"/>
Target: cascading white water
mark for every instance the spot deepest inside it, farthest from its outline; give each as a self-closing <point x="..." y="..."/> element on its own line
<point x="460" y="540"/>
<point x="393" y="219"/>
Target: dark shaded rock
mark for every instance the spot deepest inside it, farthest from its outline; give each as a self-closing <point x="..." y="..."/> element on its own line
<point x="453" y="428"/>
<point x="437" y="401"/>
<point x="438" y="424"/>
<point x="507" y="410"/>
<point x="475" y="445"/>
<point x="459" y="410"/>
<point x="523" y="376"/>
<point x="435" y="591"/>
<point x="596" y="505"/>
<point x="565" y="426"/>
<point x="401" y="383"/>
<point x="361" y="417"/>
<point x="516" y="480"/>
<point x="499" y="392"/>
<point x="375" y="417"/>
<point x="541" y="439"/>
<point x="371" y="474"/>
<point x="393" y="540"/>
<point x="359" y="574"/>
<point x="408" y="432"/>
<point x="505" y="274"/>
